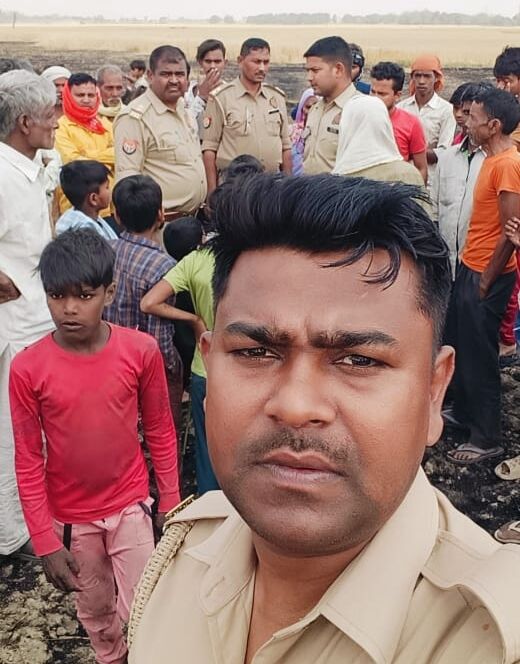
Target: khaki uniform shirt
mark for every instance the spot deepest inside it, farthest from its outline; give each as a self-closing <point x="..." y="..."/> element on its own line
<point x="152" y="139"/>
<point x="236" y="122"/>
<point x="321" y="133"/>
<point x="430" y="588"/>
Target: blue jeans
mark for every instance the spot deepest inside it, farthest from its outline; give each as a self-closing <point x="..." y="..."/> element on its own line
<point x="206" y="480"/>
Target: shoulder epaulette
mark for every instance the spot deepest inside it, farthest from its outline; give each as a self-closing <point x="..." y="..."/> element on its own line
<point x="220" y="88"/>
<point x="138" y="107"/>
<point x="276" y="88"/>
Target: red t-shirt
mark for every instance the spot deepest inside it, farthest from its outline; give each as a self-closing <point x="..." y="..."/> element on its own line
<point x="87" y="406"/>
<point x="408" y="133"/>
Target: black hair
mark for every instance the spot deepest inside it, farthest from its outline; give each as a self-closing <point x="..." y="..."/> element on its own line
<point x="458" y="94"/>
<point x="81" y="79"/>
<point x="331" y="49"/>
<point x="389" y="71"/>
<point x="500" y="105"/>
<point x="170" y="54"/>
<point x="472" y="90"/>
<point x="138" y="201"/>
<point x="138" y="64"/>
<point x="80" y="178"/>
<point x="242" y="165"/>
<point x="327" y="213"/>
<point x="76" y="257"/>
<point x="253" y="44"/>
<point x="358" y="57"/>
<point x="508" y="62"/>
<point x="182" y="236"/>
<point x="209" y="45"/>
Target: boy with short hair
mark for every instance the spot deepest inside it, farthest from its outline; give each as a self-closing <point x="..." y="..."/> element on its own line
<point x="86" y="499"/>
<point x="85" y="184"/>
<point x="140" y="263"/>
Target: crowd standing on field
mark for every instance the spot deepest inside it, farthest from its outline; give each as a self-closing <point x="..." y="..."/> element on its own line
<point x="114" y="187"/>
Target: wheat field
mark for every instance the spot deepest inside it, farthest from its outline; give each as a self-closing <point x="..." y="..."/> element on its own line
<point x="457" y="46"/>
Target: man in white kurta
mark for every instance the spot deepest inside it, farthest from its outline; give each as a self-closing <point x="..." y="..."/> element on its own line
<point x="24" y="231"/>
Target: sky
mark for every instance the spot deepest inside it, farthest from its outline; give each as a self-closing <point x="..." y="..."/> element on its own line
<point x="198" y="9"/>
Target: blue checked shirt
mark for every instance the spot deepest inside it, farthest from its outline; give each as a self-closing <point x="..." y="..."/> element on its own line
<point x="140" y="264"/>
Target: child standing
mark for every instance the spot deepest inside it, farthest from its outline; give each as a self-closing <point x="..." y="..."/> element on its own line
<point x="85" y="183"/>
<point x="87" y="503"/>
<point x="140" y="263"/>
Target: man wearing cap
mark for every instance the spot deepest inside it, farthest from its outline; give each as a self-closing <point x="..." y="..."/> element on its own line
<point x="59" y="76"/>
<point x="435" y="113"/>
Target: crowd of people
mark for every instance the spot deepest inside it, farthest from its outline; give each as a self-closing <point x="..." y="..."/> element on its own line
<point x="129" y="199"/>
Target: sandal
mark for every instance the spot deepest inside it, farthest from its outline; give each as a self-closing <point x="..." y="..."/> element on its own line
<point x="509" y="533"/>
<point x="509" y="469"/>
<point x="472" y="454"/>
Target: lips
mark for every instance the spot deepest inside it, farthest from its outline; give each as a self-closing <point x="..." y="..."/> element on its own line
<point x="307" y="463"/>
<point x="71" y="325"/>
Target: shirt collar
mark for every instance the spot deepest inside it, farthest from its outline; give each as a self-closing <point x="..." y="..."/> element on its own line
<point x="142" y="241"/>
<point x="368" y="602"/>
<point x="159" y="106"/>
<point x="244" y="91"/>
<point x="29" y="167"/>
<point x="347" y="94"/>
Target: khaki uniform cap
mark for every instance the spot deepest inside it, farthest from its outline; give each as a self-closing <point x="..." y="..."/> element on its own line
<point x="236" y="122"/>
<point x="430" y="588"/>
<point x="152" y="139"/>
<point x="321" y="133"/>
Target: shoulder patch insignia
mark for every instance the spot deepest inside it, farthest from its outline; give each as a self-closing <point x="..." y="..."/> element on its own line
<point x="129" y="146"/>
<point x="206" y="123"/>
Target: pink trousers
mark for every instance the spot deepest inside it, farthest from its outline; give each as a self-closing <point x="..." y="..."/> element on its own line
<point x="111" y="554"/>
<point x="507" y="332"/>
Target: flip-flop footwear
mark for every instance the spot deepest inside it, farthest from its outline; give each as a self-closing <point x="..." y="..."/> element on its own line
<point x="509" y="533"/>
<point x="509" y="469"/>
<point x="473" y="454"/>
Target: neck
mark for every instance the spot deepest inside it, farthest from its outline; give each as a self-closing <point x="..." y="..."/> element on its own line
<point x="150" y="234"/>
<point x="391" y="110"/>
<point x="422" y="98"/>
<point x="17" y="142"/>
<point x="497" y="144"/>
<point x="340" y="89"/>
<point x="254" y="88"/>
<point x="96" y="342"/>
<point x="278" y="579"/>
<point x="90" y="211"/>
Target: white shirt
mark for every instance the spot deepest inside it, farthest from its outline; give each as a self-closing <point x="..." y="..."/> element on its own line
<point x="451" y="193"/>
<point x="72" y="219"/>
<point x="195" y="105"/>
<point x="24" y="231"/>
<point x="437" y="120"/>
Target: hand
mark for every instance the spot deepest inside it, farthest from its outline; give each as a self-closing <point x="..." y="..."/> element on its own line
<point x="483" y="286"/>
<point x="512" y="231"/>
<point x="210" y="82"/>
<point x="159" y="521"/>
<point x="8" y="290"/>
<point x="199" y="328"/>
<point x="61" y="569"/>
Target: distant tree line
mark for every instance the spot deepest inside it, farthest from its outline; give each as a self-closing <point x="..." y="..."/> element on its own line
<point x="424" y="17"/>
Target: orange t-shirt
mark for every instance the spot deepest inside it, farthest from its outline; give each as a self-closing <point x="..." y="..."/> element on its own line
<point x="498" y="174"/>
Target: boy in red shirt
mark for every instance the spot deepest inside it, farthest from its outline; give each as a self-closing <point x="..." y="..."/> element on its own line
<point x="86" y="499"/>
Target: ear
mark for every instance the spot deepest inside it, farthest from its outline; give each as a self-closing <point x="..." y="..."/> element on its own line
<point x="149" y="74"/>
<point x="205" y="346"/>
<point x="441" y="375"/>
<point x="398" y="94"/>
<point x="23" y="123"/>
<point x="93" y="198"/>
<point x="240" y="59"/>
<point x="495" y="125"/>
<point x="110" y="292"/>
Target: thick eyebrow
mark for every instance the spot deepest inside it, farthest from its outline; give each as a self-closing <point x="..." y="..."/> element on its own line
<point x="260" y="333"/>
<point x="338" y="340"/>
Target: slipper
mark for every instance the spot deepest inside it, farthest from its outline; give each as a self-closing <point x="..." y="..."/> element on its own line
<point x="509" y="533"/>
<point x="475" y="454"/>
<point x="509" y="469"/>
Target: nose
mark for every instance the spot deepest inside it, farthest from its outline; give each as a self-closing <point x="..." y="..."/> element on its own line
<point x="70" y="307"/>
<point x="300" y="399"/>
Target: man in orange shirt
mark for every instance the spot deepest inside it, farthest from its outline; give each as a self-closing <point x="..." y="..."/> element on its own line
<point x="485" y="278"/>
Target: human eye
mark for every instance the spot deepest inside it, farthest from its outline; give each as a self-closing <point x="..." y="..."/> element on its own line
<point x="55" y="296"/>
<point x="254" y="353"/>
<point x="356" y="361"/>
<point x="86" y="296"/>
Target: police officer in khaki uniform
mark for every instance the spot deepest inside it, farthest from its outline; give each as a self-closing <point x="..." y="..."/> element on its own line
<point x="327" y="543"/>
<point x="329" y="67"/>
<point x="247" y="116"/>
<point x="154" y="135"/>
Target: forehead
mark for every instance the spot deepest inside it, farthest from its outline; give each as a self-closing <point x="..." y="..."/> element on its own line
<point x="384" y="85"/>
<point x="258" y="54"/>
<point x="315" y="62"/>
<point x="112" y="78"/>
<point x="424" y="72"/>
<point x="215" y="54"/>
<point x="170" y="66"/>
<point x="295" y="291"/>
<point x="83" y="88"/>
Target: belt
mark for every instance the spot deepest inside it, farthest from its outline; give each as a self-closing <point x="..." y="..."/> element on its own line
<point x="172" y="215"/>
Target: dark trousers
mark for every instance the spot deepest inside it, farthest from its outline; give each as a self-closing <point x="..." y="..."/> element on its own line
<point x="206" y="480"/>
<point x="472" y="328"/>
